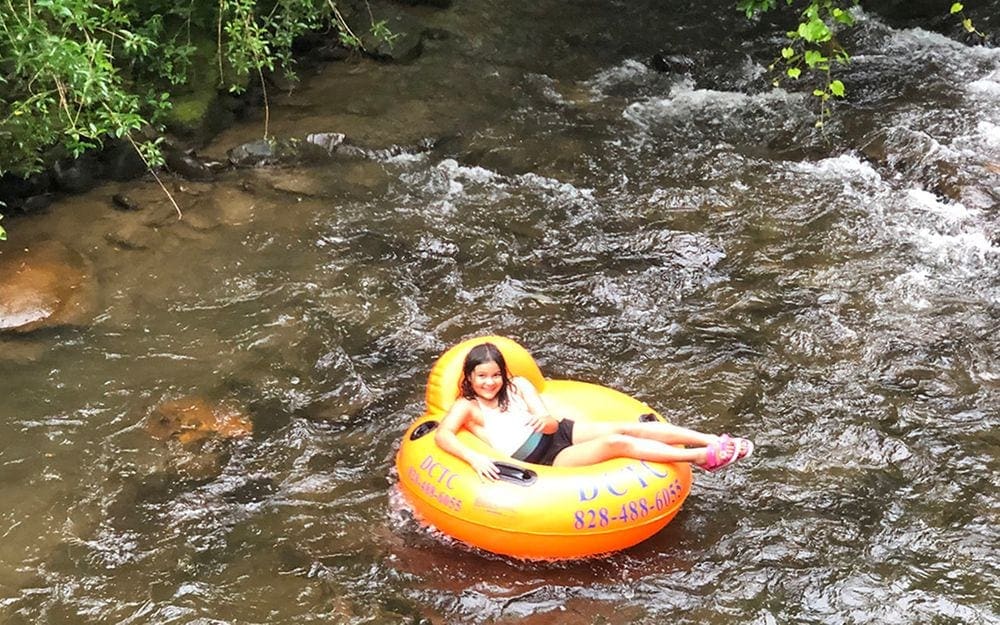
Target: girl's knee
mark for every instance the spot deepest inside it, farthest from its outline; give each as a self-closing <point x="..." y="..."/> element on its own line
<point x="619" y="444"/>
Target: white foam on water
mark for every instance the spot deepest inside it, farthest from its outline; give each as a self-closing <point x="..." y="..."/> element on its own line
<point x="628" y="71"/>
<point x="406" y="157"/>
<point x="451" y="180"/>
<point x="984" y="95"/>
<point x="984" y="86"/>
<point x="684" y="100"/>
<point x="547" y="87"/>
<point x="989" y="133"/>
<point x="561" y="188"/>
<point x="917" y="42"/>
<point x="857" y="178"/>
<point x="950" y="211"/>
<point x="474" y="174"/>
<point x="948" y="248"/>
<point x="947" y="235"/>
<point x="909" y="291"/>
<point x="925" y="39"/>
<point x="957" y="250"/>
<point x="848" y="166"/>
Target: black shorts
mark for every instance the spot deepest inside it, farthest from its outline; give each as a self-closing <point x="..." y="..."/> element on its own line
<point x="552" y="444"/>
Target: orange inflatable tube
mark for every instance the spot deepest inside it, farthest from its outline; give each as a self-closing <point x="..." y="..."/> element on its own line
<point x="535" y="511"/>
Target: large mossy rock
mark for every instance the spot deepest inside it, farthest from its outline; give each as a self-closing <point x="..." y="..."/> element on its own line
<point x="197" y="107"/>
<point x="44" y="285"/>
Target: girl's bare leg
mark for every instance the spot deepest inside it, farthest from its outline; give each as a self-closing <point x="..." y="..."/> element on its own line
<point x="662" y="432"/>
<point x="626" y="446"/>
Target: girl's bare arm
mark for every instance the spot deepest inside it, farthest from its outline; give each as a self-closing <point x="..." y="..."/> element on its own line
<point x="447" y="439"/>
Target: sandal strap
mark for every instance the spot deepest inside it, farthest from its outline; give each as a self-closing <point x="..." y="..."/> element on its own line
<point x="744" y="446"/>
<point x="714" y="459"/>
<point x="733" y="457"/>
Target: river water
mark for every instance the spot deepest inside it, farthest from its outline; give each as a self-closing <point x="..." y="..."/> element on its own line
<point x="684" y="236"/>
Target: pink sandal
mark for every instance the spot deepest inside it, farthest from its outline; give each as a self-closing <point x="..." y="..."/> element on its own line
<point x="714" y="458"/>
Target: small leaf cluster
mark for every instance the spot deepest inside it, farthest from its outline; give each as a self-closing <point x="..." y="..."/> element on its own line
<point x="959" y="9"/>
<point x="812" y="47"/>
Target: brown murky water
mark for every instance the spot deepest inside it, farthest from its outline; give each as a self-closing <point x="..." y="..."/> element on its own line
<point x="683" y="237"/>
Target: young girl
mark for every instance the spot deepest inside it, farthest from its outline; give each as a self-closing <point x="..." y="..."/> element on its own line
<point x="508" y="414"/>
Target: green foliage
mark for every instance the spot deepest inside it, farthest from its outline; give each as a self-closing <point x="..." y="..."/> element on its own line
<point x="3" y="233"/>
<point x="959" y="9"/>
<point x="75" y="72"/>
<point x="257" y="39"/>
<point x="812" y="49"/>
<point x="380" y="30"/>
<point x="753" y="7"/>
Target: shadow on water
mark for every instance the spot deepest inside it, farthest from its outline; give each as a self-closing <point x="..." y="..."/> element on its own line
<point x="625" y="195"/>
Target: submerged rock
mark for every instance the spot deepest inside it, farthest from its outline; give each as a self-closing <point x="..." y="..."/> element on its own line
<point x="45" y="285"/>
<point x="258" y="153"/>
<point x="188" y="165"/>
<point x="123" y="202"/>
<point x="671" y="63"/>
<point x="316" y="147"/>
<point x="191" y="420"/>
<point x="329" y="141"/>
<point x="132" y="236"/>
<point x="37" y="203"/>
<point x="222" y="206"/>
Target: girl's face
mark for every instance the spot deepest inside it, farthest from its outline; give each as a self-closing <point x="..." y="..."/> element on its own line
<point x="486" y="380"/>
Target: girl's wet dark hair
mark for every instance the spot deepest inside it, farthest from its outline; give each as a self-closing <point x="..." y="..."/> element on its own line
<point x="481" y="354"/>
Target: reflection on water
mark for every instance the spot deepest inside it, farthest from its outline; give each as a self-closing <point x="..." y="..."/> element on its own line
<point x="684" y="237"/>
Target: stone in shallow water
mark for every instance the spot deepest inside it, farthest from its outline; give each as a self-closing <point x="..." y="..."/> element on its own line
<point x="194" y="419"/>
<point x="124" y="202"/>
<point x="132" y="236"/>
<point x="256" y="153"/>
<point x="44" y="285"/>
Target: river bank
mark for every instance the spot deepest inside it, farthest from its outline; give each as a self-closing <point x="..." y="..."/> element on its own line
<point x="202" y="112"/>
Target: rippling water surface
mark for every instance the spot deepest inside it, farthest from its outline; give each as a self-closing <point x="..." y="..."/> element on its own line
<point x="683" y="236"/>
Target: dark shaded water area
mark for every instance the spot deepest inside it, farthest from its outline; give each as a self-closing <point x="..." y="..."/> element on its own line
<point x="684" y="236"/>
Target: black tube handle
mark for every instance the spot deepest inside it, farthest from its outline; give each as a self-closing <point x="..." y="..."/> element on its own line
<point x="515" y="474"/>
<point x="422" y="429"/>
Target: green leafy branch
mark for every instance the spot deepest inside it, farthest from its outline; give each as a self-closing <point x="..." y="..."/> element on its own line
<point x="379" y="29"/>
<point x="812" y="48"/>
<point x="61" y="82"/>
<point x="959" y="9"/>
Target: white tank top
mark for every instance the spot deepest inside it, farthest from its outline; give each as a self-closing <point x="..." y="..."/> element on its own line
<point x="506" y="431"/>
